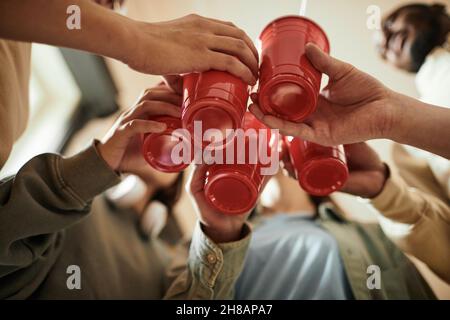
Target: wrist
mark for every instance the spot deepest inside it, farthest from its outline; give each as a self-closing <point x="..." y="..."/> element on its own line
<point x="224" y="234"/>
<point x="401" y="116"/>
<point x="107" y="156"/>
<point x="388" y="116"/>
<point x="109" y="33"/>
<point x="123" y="38"/>
<point x="140" y="39"/>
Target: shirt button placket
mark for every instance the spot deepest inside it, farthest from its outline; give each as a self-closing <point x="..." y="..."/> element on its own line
<point x="211" y="258"/>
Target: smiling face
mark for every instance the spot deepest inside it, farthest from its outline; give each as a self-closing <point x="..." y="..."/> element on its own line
<point x="408" y="36"/>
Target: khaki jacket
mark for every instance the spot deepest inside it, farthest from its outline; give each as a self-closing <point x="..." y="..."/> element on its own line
<point x="364" y="247"/>
<point x="416" y="212"/>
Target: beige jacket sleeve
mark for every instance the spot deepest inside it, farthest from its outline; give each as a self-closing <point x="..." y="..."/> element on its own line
<point x="212" y="269"/>
<point x="418" y="222"/>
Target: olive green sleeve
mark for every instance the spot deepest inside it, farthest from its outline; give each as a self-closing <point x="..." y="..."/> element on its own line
<point x="47" y="195"/>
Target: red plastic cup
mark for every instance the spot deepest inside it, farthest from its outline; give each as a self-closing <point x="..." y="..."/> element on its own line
<point x="320" y="170"/>
<point x="157" y="147"/>
<point x="217" y="99"/>
<point x="234" y="188"/>
<point x="289" y="85"/>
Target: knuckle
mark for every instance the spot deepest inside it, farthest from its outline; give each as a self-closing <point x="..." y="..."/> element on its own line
<point x="146" y="91"/>
<point x="131" y="124"/>
<point x="230" y="61"/>
<point x="347" y="69"/>
<point x="241" y="33"/>
<point x="143" y="94"/>
<point x="323" y="134"/>
<point x="240" y="44"/>
<point x="140" y="105"/>
<point x="199" y="21"/>
<point x="193" y="16"/>
<point x="126" y="113"/>
<point x="203" y="41"/>
<point x="122" y="127"/>
<point x="199" y="44"/>
<point x="207" y="64"/>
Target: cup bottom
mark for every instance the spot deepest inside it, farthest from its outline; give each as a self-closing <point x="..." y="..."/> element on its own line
<point x="212" y="115"/>
<point x="320" y="177"/>
<point x="231" y="192"/>
<point x="288" y="97"/>
<point x="214" y="118"/>
<point x="158" y="153"/>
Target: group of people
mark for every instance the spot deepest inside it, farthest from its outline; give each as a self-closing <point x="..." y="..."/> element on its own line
<point x="53" y="215"/>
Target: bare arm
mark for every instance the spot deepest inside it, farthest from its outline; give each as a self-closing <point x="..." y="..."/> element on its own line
<point x="422" y="125"/>
<point x="44" y="21"/>
<point x="189" y="44"/>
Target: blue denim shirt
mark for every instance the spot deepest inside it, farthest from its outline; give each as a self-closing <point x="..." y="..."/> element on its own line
<point x="292" y="257"/>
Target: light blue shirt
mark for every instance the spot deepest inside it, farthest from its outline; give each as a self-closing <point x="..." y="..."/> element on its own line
<point x="292" y="257"/>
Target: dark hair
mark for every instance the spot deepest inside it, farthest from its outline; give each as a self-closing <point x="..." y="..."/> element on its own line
<point x="427" y="12"/>
<point x="431" y="36"/>
<point x="425" y="42"/>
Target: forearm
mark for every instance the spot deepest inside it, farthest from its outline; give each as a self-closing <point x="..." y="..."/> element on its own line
<point x="102" y="31"/>
<point x="421" y="125"/>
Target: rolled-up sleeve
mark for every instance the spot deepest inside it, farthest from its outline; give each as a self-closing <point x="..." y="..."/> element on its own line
<point x="212" y="269"/>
